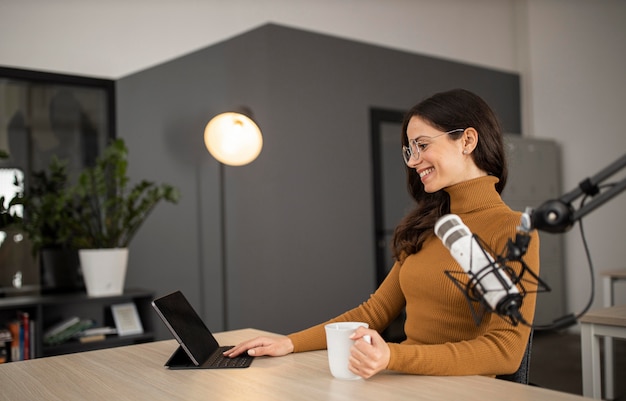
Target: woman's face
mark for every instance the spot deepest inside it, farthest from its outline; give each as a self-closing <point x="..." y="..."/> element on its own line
<point x="442" y="161"/>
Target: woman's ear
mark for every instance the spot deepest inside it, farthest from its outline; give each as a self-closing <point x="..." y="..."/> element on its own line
<point x="470" y="140"/>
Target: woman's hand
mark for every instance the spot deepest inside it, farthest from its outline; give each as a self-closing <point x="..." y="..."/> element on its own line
<point x="260" y="346"/>
<point x="368" y="357"/>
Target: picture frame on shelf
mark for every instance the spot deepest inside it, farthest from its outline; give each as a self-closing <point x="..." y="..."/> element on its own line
<point x="126" y="318"/>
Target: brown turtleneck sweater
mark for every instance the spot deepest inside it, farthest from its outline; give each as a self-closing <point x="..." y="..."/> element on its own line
<point x="442" y="337"/>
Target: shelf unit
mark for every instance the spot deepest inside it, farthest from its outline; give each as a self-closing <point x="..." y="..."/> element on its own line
<point x="47" y="310"/>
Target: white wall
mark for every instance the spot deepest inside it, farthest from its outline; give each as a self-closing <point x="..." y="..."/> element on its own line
<point x="114" y="38"/>
<point x="570" y="54"/>
<point x="574" y="86"/>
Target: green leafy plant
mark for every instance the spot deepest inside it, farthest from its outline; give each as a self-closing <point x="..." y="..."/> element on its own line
<point x="48" y="208"/>
<point x="106" y="212"/>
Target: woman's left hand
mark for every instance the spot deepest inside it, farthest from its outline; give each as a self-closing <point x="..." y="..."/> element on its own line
<point x="368" y="357"/>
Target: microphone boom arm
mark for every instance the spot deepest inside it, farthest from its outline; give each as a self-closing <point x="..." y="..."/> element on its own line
<point x="558" y="215"/>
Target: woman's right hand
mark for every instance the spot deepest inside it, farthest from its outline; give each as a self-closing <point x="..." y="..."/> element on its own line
<point x="262" y="346"/>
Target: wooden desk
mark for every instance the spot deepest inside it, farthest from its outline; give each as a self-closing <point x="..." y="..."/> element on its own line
<point x="136" y="372"/>
<point x="609" y="322"/>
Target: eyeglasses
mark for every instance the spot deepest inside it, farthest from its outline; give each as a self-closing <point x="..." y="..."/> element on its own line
<point x="415" y="147"/>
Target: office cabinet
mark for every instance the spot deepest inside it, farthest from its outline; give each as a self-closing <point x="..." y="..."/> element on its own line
<point x="535" y="177"/>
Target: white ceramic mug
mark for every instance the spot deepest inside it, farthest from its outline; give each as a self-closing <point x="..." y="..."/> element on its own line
<point x="339" y="343"/>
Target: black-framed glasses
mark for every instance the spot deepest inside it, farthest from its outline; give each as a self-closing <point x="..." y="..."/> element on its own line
<point x="415" y="147"/>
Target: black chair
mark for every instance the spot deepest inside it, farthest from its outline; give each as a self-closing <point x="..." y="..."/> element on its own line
<point x="522" y="374"/>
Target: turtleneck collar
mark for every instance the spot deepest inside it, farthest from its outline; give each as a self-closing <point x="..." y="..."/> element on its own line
<point x="472" y="195"/>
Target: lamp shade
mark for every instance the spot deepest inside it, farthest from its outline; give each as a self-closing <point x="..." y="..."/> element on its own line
<point x="233" y="139"/>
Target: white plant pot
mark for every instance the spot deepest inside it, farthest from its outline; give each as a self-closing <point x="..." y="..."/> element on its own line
<point x="104" y="270"/>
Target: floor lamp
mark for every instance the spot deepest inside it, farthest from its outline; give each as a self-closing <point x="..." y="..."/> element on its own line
<point x="233" y="139"/>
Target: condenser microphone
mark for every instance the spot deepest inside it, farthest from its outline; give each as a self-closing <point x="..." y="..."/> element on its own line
<point x="488" y="282"/>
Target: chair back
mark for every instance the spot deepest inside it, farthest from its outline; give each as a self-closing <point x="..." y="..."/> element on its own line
<point x="523" y="372"/>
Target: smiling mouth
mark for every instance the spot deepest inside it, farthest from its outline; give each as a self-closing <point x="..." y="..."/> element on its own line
<point x="426" y="172"/>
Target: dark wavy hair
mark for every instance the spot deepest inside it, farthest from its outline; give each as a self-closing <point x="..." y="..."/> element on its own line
<point x="447" y="111"/>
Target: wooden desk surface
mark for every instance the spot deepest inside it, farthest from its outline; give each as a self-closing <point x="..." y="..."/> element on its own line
<point x="612" y="316"/>
<point x="136" y="372"/>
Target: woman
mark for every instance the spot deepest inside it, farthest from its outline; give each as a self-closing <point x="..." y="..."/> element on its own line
<point x="455" y="158"/>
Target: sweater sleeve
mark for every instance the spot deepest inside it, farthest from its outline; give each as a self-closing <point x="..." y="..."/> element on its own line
<point x="380" y="309"/>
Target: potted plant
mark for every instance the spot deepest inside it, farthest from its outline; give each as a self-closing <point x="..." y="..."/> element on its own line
<point x="106" y="214"/>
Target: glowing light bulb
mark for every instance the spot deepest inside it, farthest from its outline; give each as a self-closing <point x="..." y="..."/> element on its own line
<point x="233" y="139"/>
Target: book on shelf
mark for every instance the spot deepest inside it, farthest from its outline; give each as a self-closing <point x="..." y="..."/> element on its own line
<point x="21" y="342"/>
<point x="92" y="338"/>
<point x="5" y="339"/>
<point x="95" y="334"/>
<point x="25" y="335"/>
<point x="61" y="326"/>
<point x="14" y="328"/>
<point x="98" y="331"/>
<point x="5" y="336"/>
<point x="68" y="332"/>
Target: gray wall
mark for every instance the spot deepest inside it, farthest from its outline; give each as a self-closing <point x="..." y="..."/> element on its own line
<point x="299" y="219"/>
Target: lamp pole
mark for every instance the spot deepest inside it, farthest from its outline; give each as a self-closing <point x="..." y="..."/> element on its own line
<point x="223" y="247"/>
